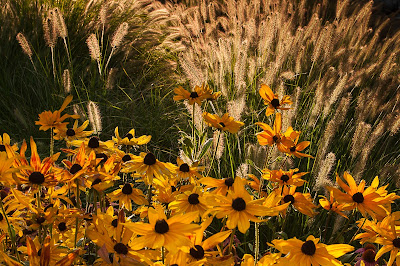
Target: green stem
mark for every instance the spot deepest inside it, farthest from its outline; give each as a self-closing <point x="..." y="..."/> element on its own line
<point x="51" y="142"/>
<point x="257" y="242"/>
<point x="215" y="152"/>
<point x="10" y="231"/>
<point x="149" y="195"/>
<point x="230" y="157"/>
<point x="231" y="240"/>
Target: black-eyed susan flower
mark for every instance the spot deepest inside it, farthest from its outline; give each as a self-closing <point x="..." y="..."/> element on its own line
<point x="291" y="145"/>
<point x="160" y="232"/>
<point x="77" y="166"/>
<point x="5" y="144"/>
<point x="271" y="136"/>
<point x="190" y="201"/>
<point x="222" y="186"/>
<point x="311" y="252"/>
<point x="300" y="201"/>
<point x="70" y="134"/>
<point x="333" y="205"/>
<point x="6" y="169"/>
<point x="272" y="100"/>
<point x="49" y="119"/>
<point x="225" y="123"/>
<point x="37" y="173"/>
<point x="148" y="166"/>
<point x="366" y="200"/>
<point x="198" y="94"/>
<point x="281" y="177"/>
<point x="130" y="139"/>
<point x="239" y="207"/>
<point x="119" y="247"/>
<point x="188" y="172"/>
<point x="126" y="194"/>
<point x="94" y="144"/>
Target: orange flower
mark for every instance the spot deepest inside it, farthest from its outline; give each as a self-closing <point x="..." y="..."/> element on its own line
<point x="225" y="123"/>
<point x="49" y="119"/>
<point x="272" y="100"/>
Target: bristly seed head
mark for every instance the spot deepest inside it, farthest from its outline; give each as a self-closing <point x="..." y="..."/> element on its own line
<point x="62" y="227"/>
<point x="229" y="181"/>
<point x="93" y="142"/>
<point x="36" y="178"/>
<point x="396" y="242"/>
<point x="194" y="95"/>
<point x="114" y="223"/>
<point x="285" y="178"/>
<point x="121" y="248"/>
<point x="193" y="199"/>
<point x="197" y="252"/>
<point x="126" y="158"/>
<point x="358" y="197"/>
<point x="129" y="136"/>
<point x="275" y="103"/>
<point x="127" y="189"/>
<point x="184" y="168"/>
<point x="308" y="248"/>
<point x="149" y="159"/>
<point x="288" y="198"/>
<point x="238" y="204"/>
<point x="161" y="227"/>
<point x="70" y="132"/>
<point x="75" y="169"/>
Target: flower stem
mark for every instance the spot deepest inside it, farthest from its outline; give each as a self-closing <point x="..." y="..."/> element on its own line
<point x="51" y="142"/>
<point x="231" y="240"/>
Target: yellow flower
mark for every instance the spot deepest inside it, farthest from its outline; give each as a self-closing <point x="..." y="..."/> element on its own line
<point x="271" y="136"/>
<point x="130" y="139"/>
<point x="225" y="123"/>
<point x="6" y="169"/>
<point x="5" y="144"/>
<point x="125" y="194"/>
<point x="365" y="200"/>
<point x="292" y="147"/>
<point x="49" y="119"/>
<point x="197" y="95"/>
<point x="333" y="205"/>
<point x="272" y="100"/>
<point x="281" y="177"/>
<point x="190" y="201"/>
<point x="188" y="172"/>
<point x="301" y="201"/>
<point x="222" y="185"/>
<point x="160" y="232"/>
<point x="148" y="166"/>
<point x="37" y="173"/>
<point x="239" y="207"/>
<point x="311" y="252"/>
<point x="70" y="134"/>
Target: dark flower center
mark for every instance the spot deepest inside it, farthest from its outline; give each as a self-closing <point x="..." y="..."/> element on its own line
<point x="62" y="226"/>
<point x="284" y="178"/>
<point x="308" y="248"/>
<point x="2" y="147"/>
<point x="369" y="256"/>
<point x="36" y="178"/>
<point x="369" y="246"/>
<point x="229" y="182"/>
<point x="184" y="168"/>
<point x="127" y="189"/>
<point x="103" y="156"/>
<point x="94" y="143"/>
<point x="194" y="94"/>
<point x="396" y="242"/>
<point x="358" y="197"/>
<point x="293" y="149"/>
<point x="221" y="124"/>
<point x="121" y="248"/>
<point x="238" y="204"/>
<point x="275" y="103"/>
<point x="197" y="252"/>
<point x="149" y="159"/>
<point x="161" y="227"/>
<point x="70" y="132"/>
<point x="194" y="199"/>
<point x="129" y="136"/>
<point x="1" y="217"/>
<point x="173" y="188"/>
<point x="114" y="222"/>
<point x="288" y="198"/>
<point x="126" y="158"/>
<point x="275" y="138"/>
<point x="96" y="181"/>
<point x="40" y="220"/>
<point x="75" y="168"/>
